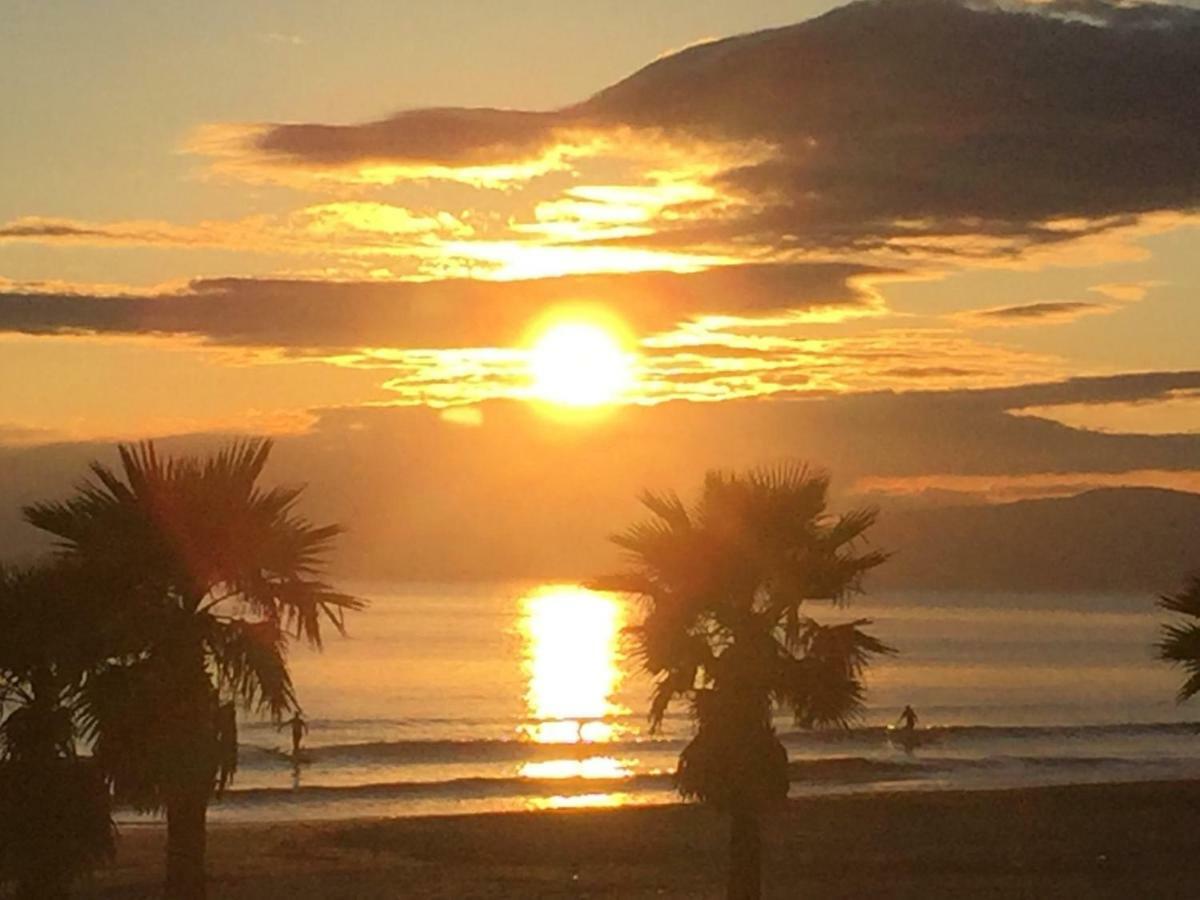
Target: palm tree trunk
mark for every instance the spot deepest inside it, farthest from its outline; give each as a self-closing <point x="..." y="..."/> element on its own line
<point x="745" y="856"/>
<point x="193" y="758"/>
<point x="187" y="810"/>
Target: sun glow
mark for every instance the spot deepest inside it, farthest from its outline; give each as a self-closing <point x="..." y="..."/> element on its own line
<point x="579" y="363"/>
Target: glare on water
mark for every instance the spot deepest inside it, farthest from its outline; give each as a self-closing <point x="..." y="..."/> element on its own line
<point x="572" y="659"/>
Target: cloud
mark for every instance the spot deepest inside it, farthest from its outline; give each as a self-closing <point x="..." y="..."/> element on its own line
<point x="700" y="363"/>
<point x="1005" y="488"/>
<point x="1127" y="388"/>
<point x="458" y="312"/>
<point x="481" y="147"/>
<point x="783" y="368"/>
<point x="1168" y="413"/>
<point x="1121" y="13"/>
<point x="20" y="435"/>
<point x="353" y="226"/>
<point x="353" y="239"/>
<point x="920" y="122"/>
<point x="718" y="335"/>
<point x="1060" y="311"/>
<point x="1035" y="313"/>
<point x="449" y="137"/>
<point x="1126" y="291"/>
<point x="42" y="230"/>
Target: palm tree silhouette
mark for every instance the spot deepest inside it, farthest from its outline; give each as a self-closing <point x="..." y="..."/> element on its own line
<point x="55" y="819"/>
<point x="724" y="582"/>
<point x="1180" y="642"/>
<point x="215" y="575"/>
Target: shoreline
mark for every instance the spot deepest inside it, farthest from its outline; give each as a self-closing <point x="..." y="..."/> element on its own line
<point x="1094" y="840"/>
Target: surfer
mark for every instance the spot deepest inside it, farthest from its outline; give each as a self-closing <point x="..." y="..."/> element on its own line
<point x="299" y="729"/>
<point x="909" y="718"/>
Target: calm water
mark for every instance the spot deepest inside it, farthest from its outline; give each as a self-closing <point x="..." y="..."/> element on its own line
<point x="453" y="698"/>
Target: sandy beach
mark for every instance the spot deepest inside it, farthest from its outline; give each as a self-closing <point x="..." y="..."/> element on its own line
<point x="1118" y="840"/>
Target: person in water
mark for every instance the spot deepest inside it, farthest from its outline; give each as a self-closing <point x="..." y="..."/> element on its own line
<point x="299" y="729"/>
<point x="909" y="718"/>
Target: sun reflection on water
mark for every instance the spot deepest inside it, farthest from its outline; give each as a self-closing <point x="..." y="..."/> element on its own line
<point x="572" y="656"/>
<point x="592" y="767"/>
<point x="572" y="660"/>
<point x="578" y="801"/>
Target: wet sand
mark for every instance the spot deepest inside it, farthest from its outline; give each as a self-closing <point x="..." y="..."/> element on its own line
<point x="1118" y="840"/>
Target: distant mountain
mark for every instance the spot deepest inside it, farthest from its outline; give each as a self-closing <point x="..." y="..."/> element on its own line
<point x="547" y="511"/>
<point x="1115" y="539"/>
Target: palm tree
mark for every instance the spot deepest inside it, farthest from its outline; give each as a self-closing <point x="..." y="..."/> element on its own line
<point x="55" y="819"/>
<point x="724" y="582"/>
<point x="215" y="575"/>
<point x="1180" y="642"/>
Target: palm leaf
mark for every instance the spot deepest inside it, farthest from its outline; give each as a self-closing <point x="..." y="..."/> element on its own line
<point x="1180" y="644"/>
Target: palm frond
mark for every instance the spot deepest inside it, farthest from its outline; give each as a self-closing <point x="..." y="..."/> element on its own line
<point x="634" y="583"/>
<point x="849" y="527"/>
<point x="1186" y="602"/>
<point x="668" y="507"/>
<point x="845" y="646"/>
<point x="1180" y="644"/>
<point x="818" y="694"/>
<point x="250" y="659"/>
<point x="735" y="760"/>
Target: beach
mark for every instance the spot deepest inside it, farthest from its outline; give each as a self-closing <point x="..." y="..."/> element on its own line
<point x="1100" y="840"/>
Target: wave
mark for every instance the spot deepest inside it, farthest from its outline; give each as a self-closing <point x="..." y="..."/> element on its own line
<point x="452" y="751"/>
<point x="1030" y="731"/>
<point x="432" y="752"/>
<point x="819" y="773"/>
<point x="839" y="770"/>
<point x="472" y="787"/>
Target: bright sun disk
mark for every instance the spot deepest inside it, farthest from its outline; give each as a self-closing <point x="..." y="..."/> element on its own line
<point x="579" y="364"/>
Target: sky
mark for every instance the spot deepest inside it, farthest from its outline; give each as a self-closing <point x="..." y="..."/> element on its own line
<point x="946" y="249"/>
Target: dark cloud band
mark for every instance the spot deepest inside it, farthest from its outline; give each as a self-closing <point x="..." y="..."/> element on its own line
<point x="448" y="313"/>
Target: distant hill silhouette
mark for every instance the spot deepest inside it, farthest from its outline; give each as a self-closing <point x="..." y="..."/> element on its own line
<point x="451" y="514"/>
<point x="1113" y="539"/>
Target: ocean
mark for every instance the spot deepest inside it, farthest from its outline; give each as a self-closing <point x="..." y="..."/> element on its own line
<point x="452" y="698"/>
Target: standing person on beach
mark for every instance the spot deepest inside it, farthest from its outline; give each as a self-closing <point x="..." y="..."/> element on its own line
<point x="909" y="718"/>
<point x="299" y="729"/>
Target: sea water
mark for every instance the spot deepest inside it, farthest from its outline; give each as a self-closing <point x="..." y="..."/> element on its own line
<point x="450" y="698"/>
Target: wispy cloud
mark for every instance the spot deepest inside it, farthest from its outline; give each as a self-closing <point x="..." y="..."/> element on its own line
<point x="1046" y="312"/>
<point x="356" y="224"/>
<point x="1126" y="291"/>
<point x="1005" y="488"/>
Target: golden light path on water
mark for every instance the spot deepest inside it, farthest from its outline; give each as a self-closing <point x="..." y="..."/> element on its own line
<point x="572" y="659"/>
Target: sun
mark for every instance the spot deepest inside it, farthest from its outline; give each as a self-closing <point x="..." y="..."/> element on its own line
<point x="579" y="363"/>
